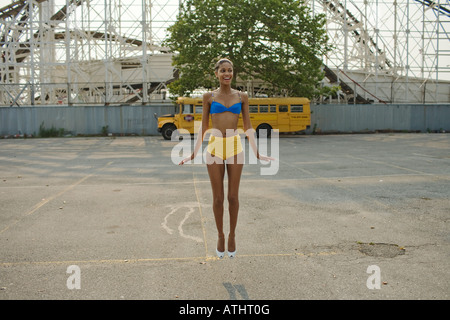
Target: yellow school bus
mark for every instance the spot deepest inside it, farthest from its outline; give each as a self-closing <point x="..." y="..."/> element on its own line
<point x="284" y="114"/>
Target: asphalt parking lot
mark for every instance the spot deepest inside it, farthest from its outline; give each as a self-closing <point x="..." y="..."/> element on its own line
<point x="361" y="216"/>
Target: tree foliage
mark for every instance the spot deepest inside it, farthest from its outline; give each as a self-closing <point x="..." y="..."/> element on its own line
<point x="278" y="42"/>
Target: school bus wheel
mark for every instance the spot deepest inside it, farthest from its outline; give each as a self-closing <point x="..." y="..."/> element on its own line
<point x="167" y="130"/>
<point x="264" y="126"/>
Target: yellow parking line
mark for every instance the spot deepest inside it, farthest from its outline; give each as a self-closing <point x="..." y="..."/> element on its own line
<point x="201" y="214"/>
<point x="201" y="259"/>
<point x="47" y="200"/>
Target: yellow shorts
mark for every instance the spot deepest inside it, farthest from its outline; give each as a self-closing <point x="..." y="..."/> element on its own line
<point x="224" y="148"/>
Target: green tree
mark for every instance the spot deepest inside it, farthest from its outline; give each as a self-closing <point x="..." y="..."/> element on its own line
<point x="278" y="42"/>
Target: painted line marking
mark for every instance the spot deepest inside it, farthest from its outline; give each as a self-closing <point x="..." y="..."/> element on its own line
<point x="47" y="200"/>
<point x="200" y="258"/>
<point x="189" y="210"/>
<point x="202" y="219"/>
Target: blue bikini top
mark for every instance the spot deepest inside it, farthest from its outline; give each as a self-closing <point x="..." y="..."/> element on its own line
<point x="217" y="107"/>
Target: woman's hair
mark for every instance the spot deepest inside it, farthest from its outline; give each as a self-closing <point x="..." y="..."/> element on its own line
<point x="222" y="60"/>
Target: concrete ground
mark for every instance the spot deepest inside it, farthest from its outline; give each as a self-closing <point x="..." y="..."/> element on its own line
<point x="344" y="217"/>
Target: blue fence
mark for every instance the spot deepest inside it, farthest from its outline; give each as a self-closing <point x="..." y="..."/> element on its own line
<point x="140" y="120"/>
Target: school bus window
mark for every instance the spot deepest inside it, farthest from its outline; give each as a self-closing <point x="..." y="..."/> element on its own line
<point x="297" y="108"/>
<point x="253" y="109"/>
<point x="273" y="108"/>
<point x="283" y="108"/>
<point x="198" y="109"/>
<point x="263" y="109"/>
<point x="188" y="108"/>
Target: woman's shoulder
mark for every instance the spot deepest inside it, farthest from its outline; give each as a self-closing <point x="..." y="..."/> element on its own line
<point x="207" y="96"/>
<point x="243" y="95"/>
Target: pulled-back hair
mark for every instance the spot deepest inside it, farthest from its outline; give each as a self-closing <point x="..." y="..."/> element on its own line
<point x="222" y="60"/>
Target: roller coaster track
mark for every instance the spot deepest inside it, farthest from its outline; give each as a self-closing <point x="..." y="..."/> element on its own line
<point x="339" y="11"/>
<point x="14" y="10"/>
<point x="342" y="14"/>
<point x="18" y="13"/>
<point x="439" y="8"/>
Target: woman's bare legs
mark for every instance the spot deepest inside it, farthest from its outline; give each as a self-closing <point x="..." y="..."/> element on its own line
<point x="216" y="173"/>
<point x="234" y="171"/>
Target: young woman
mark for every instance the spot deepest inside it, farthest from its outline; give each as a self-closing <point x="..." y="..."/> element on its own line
<point x="224" y="148"/>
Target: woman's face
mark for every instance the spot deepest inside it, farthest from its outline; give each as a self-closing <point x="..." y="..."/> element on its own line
<point x="225" y="73"/>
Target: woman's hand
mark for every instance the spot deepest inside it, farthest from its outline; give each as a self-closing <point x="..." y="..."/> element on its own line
<point x="265" y="158"/>
<point x="186" y="160"/>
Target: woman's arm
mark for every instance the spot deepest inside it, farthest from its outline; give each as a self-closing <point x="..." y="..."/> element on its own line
<point x="203" y="127"/>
